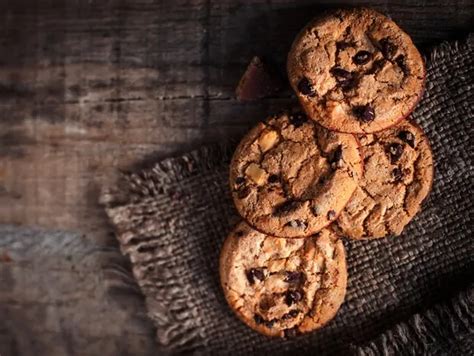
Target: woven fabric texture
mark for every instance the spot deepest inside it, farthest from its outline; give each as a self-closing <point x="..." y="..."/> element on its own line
<point x="171" y="220"/>
<point x="445" y="329"/>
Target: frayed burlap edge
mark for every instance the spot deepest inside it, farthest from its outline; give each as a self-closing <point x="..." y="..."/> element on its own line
<point x="148" y="184"/>
<point x="446" y="329"/>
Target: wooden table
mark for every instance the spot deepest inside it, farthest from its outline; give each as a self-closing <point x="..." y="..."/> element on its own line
<point x="88" y="88"/>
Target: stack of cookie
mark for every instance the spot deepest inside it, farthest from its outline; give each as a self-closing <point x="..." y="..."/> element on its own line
<point x="350" y="166"/>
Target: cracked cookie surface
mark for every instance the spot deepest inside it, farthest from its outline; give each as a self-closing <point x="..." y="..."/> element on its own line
<point x="356" y="71"/>
<point x="290" y="177"/>
<point x="398" y="174"/>
<point x="283" y="287"/>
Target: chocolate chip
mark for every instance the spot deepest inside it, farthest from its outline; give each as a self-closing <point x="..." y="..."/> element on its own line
<point x="346" y="80"/>
<point x="298" y="119"/>
<point x="364" y="113"/>
<point x="401" y="62"/>
<point x="395" y="151"/>
<point x="376" y="66"/>
<point x="294" y="313"/>
<point x="258" y="319"/>
<point x="305" y="87"/>
<point x="294" y="277"/>
<point x="239" y="180"/>
<point x="348" y="84"/>
<point x="297" y="224"/>
<point x="407" y="137"/>
<point x="322" y="180"/>
<point x="291" y="314"/>
<point x="286" y="316"/>
<point x="266" y="303"/>
<point x="331" y="214"/>
<point x="341" y="73"/>
<point x="397" y="175"/>
<point x="343" y="45"/>
<point x="290" y="332"/>
<point x="362" y="57"/>
<point x="314" y="210"/>
<point x="255" y="273"/>
<point x="243" y="192"/>
<point x="239" y="233"/>
<point x="387" y="48"/>
<point x="347" y="31"/>
<point x="335" y="157"/>
<point x="293" y="296"/>
<point x="273" y="178"/>
<point x="286" y="208"/>
<point x="269" y="323"/>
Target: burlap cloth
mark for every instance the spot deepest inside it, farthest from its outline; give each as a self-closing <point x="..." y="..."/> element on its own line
<point x="172" y="219"/>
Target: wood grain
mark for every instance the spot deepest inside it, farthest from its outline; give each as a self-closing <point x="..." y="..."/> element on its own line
<point x="67" y="296"/>
<point x="91" y="88"/>
<point x="87" y="88"/>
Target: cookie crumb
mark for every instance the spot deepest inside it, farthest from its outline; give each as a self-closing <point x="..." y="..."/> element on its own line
<point x="259" y="81"/>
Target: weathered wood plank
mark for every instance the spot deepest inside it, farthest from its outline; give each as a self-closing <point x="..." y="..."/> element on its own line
<point x="185" y="40"/>
<point x="62" y="294"/>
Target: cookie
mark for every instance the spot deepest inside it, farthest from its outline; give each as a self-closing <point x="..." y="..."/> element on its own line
<point x="398" y="174"/>
<point x="291" y="177"/>
<point x="356" y="71"/>
<point x="283" y="287"/>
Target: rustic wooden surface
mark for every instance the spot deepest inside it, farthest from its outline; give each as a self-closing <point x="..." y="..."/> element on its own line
<point x="88" y="88"/>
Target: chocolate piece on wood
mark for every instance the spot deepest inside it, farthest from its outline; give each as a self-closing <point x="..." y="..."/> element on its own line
<point x="259" y="80"/>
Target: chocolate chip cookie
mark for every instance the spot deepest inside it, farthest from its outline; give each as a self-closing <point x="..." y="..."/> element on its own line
<point x="398" y="174"/>
<point x="291" y="177"/>
<point x="356" y="71"/>
<point x="283" y="287"/>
